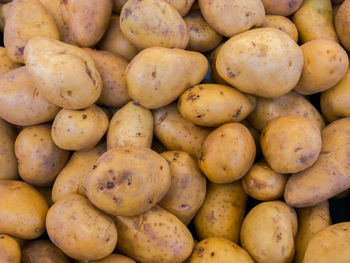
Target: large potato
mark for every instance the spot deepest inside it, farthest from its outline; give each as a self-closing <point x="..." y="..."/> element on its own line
<point x="114" y="258"/>
<point x="65" y="75"/>
<point x="6" y="64"/>
<point x="79" y="229"/>
<point x="8" y="161"/>
<point x="42" y="251"/>
<point x="22" y="210"/>
<point x="342" y="22"/>
<point x="214" y="104"/>
<point x="230" y="18"/>
<point x="10" y="251"/>
<point x="281" y="23"/>
<point x="222" y="212"/>
<point x="264" y="62"/>
<point x="157" y="76"/>
<point x="153" y="23"/>
<point x="281" y="7"/>
<point x="227" y="153"/>
<point x="155" y="236"/>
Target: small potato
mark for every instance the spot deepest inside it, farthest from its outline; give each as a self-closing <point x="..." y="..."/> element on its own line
<point x="80" y="230"/>
<point x="22" y="210"/>
<point x="71" y="178"/>
<point x="25" y="20"/>
<point x="6" y="64"/>
<point x="213" y="105"/>
<point x="264" y="62"/>
<point x="87" y="20"/>
<point x="42" y="251"/>
<point x="161" y="237"/>
<point x="177" y="133"/>
<point x="230" y="18"/>
<point x="227" y="153"/>
<point x="10" y="251"/>
<point x="115" y="41"/>
<point x="65" y="75"/>
<point x="114" y="258"/>
<point x="219" y="250"/>
<point x="130" y="125"/>
<point x="157" y="76"/>
<point x="21" y="103"/>
<point x="222" y="212"/>
<point x="263" y="183"/>
<point x="8" y="161"/>
<point x="281" y="23"/>
<point x="214" y="73"/>
<point x="281" y="7"/>
<point x="342" y="21"/>
<point x="39" y="159"/>
<point x="325" y="64"/>
<point x="153" y="23"/>
<point x="292" y="103"/>
<point x="79" y="129"/>
<point x="290" y="144"/>
<point x="268" y="232"/>
<point x="188" y="186"/>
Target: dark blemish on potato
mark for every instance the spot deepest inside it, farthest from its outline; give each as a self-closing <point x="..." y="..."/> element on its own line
<point x="221" y="93"/>
<point x="2" y="237"/>
<point x="253" y="44"/>
<point x="230" y="73"/>
<point x="21" y="50"/>
<point x="201" y="157"/>
<point x="182" y="30"/>
<point x="211" y="217"/>
<point x="69" y="92"/>
<point x="117" y="201"/>
<point x="290" y="63"/>
<point x="94" y="167"/>
<point x="212" y="254"/>
<point x="127" y="12"/>
<point x="194" y="28"/>
<point x="150" y="201"/>
<point x="224" y="169"/>
<point x="139" y="134"/>
<point x="235" y="116"/>
<point x="84" y="116"/>
<point x="41" y="139"/>
<point x="222" y="135"/>
<point x="69" y="117"/>
<point x="107" y="240"/>
<point x="247" y="14"/>
<point x="298" y="149"/>
<point x="65" y="2"/>
<point x="200" y="87"/>
<point x="176" y="155"/>
<point x="200" y="250"/>
<point x="292" y="3"/>
<point x="162" y="118"/>
<point x="154" y="74"/>
<point x="303" y="159"/>
<point x="161" y="167"/>
<point x="279" y="237"/>
<point x="125" y="176"/>
<point x="185" y="181"/>
<point x="110" y="185"/>
<point x="192" y="96"/>
<point x="35" y="135"/>
<point x="126" y="150"/>
<point x="136" y="103"/>
<point x="200" y="116"/>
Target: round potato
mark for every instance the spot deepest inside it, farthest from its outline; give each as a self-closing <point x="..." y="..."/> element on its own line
<point x="22" y="210"/>
<point x="8" y="161"/>
<point x="253" y="62"/>
<point x="114" y="258"/>
<point x="342" y="21"/>
<point x="10" y="251"/>
<point x="6" y="64"/>
<point x="79" y="129"/>
<point x="42" y="251"/>
<point x="227" y="153"/>
<point x="290" y="144"/>
<point x="213" y="105"/>
<point x="281" y="23"/>
<point x="326" y="63"/>
<point x="79" y="229"/>
<point x="281" y="7"/>
<point x="39" y="159"/>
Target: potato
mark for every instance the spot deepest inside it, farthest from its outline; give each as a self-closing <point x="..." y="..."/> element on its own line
<point x="311" y="220"/>
<point x="292" y="103"/>
<point x="325" y="64"/>
<point x="182" y="6"/>
<point x="264" y="62"/>
<point x="314" y="21"/>
<point x="160" y="237"/>
<point x="230" y="18"/>
<point x="115" y="41"/>
<point x="87" y="20"/>
<point x="26" y="19"/>
<point x="268" y="232"/>
<point x="80" y="230"/>
<point x="130" y="125"/>
<point x="219" y="250"/>
<point x="222" y="212"/>
<point x="8" y="161"/>
<point x="342" y="21"/>
<point x="42" y="251"/>
<point x="6" y="64"/>
<point x="290" y="144"/>
<point x="227" y="153"/>
<point x="177" y="133"/>
<point x="20" y="101"/>
<point x="329" y="245"/>
<point x="71" y="178"/>
<point x="263" y="183"/>
<point x="281" y="23"/>
<point x="157" y="76"/>
<point x="39" y="159"/>
<point x="214" y="73"/>
<point x="59" y="71"/>
<point x="118" y="5"/>
<point x="115" y="258"/>
<point x="153" y="23"/>
<point x="22" y="210"/>
<point x="10" y="252"/>
<point x="213" y="105"/>
<point x="188" y="186"/>
<point x="282" y="8"/>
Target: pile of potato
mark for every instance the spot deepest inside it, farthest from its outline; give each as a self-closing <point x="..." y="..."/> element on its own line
<point x="139" y="130"/>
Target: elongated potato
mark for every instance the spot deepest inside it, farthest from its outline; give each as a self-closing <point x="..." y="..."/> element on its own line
<point x="6" y="64"/>
<point x="10" y="251"/>
<point x="281" y="7"/>
<point x="114" y="258"/>
<point x="342" y="21"/>
<point x="281" y="23"/>
<point x="42" y="251"/>
<point x="8" y="161"/>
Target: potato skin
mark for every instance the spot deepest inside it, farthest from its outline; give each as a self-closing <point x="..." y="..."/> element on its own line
<point x="42" y="251"/>
<point x="161" y="236"/>
<point x="227" y="153"/>
<point x="282" y="8"/>
<point x="8" y="161"/>
<point x="114" y="258"/>
<point x="283" y="24"/>
<point x="6" y="64"/>
<point x="79" y="229"/>
<point x="22" y="210"/>
<point x="213" y="105"/>
<point x="253" y="61"/>
<point x="222" y="212"/>
<point x="151" y="23"/>
<point x="342" y="21"/>
<point x="10" y="251"/>
<point x="182" y="6"/>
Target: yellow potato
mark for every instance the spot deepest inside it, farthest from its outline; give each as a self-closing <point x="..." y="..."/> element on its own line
<point x="281" y="7"/>
<point x="281" y="23"/>
<point x="325" y="64"/>
<point x="6" y="64"/>
<point x="80" y="230"/>
<point x="10" y="251"/>
<point x="160" y="237"/>
<point x="214" y="73"/>
<point x="115" y="258"/>
<point x="222" y="212"/>
<point x="264" y="62"/>
<point x="39" y="159"/>
<point x="59" y="71"/>
<point x="42" y="251"/>
<point x="213" y="105"/>
<point x="157" y="76"/>
<point x="342" y="22"/>
<point x="8" y="161"/>
<point x="22" y="210"/>
<point x="153" y="23"/>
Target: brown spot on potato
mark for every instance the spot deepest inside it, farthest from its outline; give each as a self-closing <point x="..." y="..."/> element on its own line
<point x="292" y="4"/>
<point x="185" y="206"/>
<point x="136" y="103"/>
<point x="125" y="176"/>
<point x="182" y="30"/>
<point x="279" y="237"/>
<point x="230" y="74"/>
<point x="69" y="117"/>
<point x="303" y="159"/>
<point x="94" y="167"/>
<point x="127" y="12"/>
<point x="84" y="116"/>
<point x="21" y="50"/>
<point x="201" y="157"/>
<point x="154" y="74"/>
<point x="236" y="115"/>
<point x="176" y="155"/>
<point x="192" y="96"/>
<point x="2" y="237"/>
<point x="162" y="118"/>
<point x="298" y="149"/>
<point x="109" y="185"/>
<point x="65" y="2"/>
<point x="69" y="92"/>
<point x="200" y="250"/>
<point x="200" y="87"/>
<point x="212" y="254"/>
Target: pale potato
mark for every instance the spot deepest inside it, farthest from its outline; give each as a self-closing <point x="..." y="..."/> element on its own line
<point x="281" y="7"/>
<point x="281" y="23"/>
